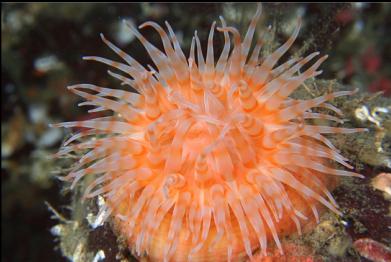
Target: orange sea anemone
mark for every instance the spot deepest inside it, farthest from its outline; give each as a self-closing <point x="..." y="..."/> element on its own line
<point x="207" y="161"/>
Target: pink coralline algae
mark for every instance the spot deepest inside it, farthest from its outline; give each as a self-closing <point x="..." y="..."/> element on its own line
<point x="372" y="250"/>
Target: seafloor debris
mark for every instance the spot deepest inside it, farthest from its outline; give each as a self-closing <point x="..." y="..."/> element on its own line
<point x="380" y="117"/>
<point x="293" y="253"/>
<point x="382" y="182"/>
<point x="372" y="250"/>
<point x="374" y="147"/>
<point x="12" y="134"/>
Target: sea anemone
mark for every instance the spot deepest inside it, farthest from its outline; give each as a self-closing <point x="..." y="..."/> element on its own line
<point x="207" y="161"/>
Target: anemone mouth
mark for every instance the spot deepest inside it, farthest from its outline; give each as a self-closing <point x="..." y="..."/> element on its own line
<point x="203" y="146"/>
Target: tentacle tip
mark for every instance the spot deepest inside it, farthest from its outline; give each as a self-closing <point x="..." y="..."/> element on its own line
<point x="143" y="25"/>
<point x="129" y="24"/>
<point x="243" y="83"/>
<point x="53" y="156"/>
<point x="259" y="7"/>
<point x="61" y="178"/>
<point x="55" y="125"/>
<point x="349" y="166"/>
<point x="83" y="199"/>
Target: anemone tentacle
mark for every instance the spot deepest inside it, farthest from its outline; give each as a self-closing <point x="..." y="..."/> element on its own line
<point x="206" y="146"/>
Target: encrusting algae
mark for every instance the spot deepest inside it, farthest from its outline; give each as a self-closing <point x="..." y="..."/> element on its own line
<point x="208" y="161"/>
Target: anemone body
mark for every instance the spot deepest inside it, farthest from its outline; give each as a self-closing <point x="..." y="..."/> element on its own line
<point x="208" y="161"/>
